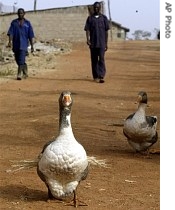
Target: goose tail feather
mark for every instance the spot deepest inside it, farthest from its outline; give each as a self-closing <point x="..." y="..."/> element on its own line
<point x="18" y="165"/>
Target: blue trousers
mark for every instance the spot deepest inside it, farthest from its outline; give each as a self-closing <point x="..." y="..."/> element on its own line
<point x="20" y="57"/>
<point x="98" y="62"/>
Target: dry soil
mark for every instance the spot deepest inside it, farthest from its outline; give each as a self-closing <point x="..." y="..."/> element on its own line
<point x="29" y="118"/>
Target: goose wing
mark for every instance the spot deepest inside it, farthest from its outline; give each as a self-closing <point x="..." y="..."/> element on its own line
<point x="151" y="120"/>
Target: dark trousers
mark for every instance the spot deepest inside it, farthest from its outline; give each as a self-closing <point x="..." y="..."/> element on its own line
<point x="20" y="57"/>
<point x="98" y="62"/>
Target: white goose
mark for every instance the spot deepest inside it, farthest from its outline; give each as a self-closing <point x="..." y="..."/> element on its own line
<point x="63" y="162"/>
<point x="140" y="129"/>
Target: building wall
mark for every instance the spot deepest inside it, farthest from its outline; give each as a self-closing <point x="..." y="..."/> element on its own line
<point x="118" y="33"/>
<point x="60" y="23"/>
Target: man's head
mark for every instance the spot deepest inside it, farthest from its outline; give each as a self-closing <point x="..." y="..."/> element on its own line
<point x="21" y="13"/>
<point x="97" y="7"/>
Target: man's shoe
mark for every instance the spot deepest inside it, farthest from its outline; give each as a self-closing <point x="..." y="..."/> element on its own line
<point x="25" y="76"/>
<point x="20" y="69"/>
<point x="101" y="81"/>
<point x="25" y="71"/>
<point x="97" y="80"/>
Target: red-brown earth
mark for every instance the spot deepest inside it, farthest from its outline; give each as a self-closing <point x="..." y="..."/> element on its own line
<point x="29" y="118"/>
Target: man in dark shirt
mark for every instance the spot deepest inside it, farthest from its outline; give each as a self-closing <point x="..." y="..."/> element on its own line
<point x="96" y="27"/>
<point x="20" y="35"/>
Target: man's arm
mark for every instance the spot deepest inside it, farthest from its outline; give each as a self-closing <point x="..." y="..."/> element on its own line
<point x="10" y="40"/>
<point x="31" y="36"/>
<point x="106" y="41"/>
<point x="88" y="37"/>
<point x="31" y="44"/>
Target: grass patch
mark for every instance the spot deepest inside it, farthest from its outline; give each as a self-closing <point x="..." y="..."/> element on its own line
<point x="7" y="72"/>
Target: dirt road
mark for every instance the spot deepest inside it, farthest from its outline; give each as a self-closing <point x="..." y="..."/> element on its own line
<point x="29" y="118"/>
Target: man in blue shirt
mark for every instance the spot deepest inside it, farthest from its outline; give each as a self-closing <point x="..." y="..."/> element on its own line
<point x="20" y="35"/>
<point x="96" y="27"/>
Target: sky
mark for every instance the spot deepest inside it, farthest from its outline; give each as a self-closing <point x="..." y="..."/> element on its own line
<point x="132" y="14"/>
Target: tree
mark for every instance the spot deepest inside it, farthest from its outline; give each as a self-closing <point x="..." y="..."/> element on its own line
<point x="137" y="34"/>
<point x="146" y="34"/>
<point x="140" y="34"/>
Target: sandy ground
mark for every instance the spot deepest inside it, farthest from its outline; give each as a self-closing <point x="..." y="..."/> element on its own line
<point x="29" y="118"/>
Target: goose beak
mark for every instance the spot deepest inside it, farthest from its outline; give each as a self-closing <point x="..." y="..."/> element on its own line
<point x="67" y="100"/>
<point x="139" y="99"/>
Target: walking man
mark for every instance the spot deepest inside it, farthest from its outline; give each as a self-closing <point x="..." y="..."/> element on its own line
<point x="20" y="35"/>
<point x="96" y="27"/>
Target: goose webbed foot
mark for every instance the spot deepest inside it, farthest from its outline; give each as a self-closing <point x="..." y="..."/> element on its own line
<point x="144" y="154"/>
<point x="75" y="201"/>
<point x="154" y="151"/>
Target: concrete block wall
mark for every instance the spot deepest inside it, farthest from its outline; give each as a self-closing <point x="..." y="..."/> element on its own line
<point x="60" y="23"/>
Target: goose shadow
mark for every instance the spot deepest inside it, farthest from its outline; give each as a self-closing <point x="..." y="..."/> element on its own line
<point x="21" y="192"/>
